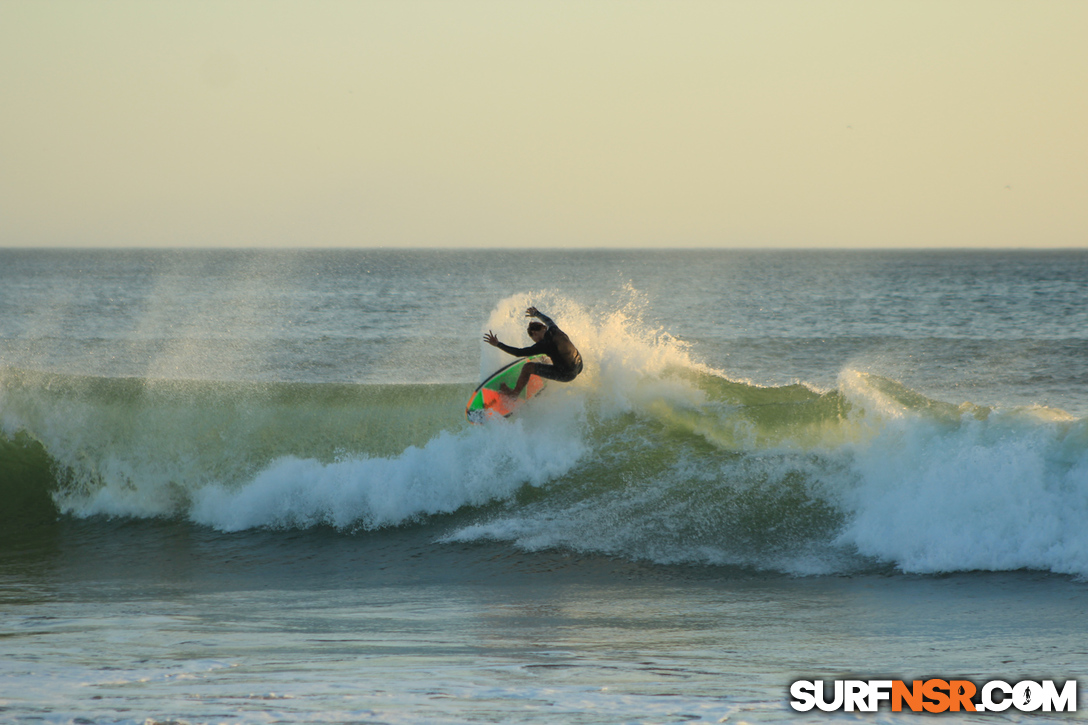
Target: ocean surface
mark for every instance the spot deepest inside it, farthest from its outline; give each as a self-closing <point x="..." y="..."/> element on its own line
<point x="239" y="486"/>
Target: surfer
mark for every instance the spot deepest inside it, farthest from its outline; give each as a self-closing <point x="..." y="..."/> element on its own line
<point x="548" y="340"/>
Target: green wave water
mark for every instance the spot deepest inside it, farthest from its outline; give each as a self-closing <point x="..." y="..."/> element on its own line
<point x="688" y="468"/>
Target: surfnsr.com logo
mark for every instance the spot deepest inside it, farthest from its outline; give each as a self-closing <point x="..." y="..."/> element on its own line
<point x="935" y="695"/>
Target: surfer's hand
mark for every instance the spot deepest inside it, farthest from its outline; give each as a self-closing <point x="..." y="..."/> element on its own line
<point x="532" y="312"/>
<point x="490" y="339"/>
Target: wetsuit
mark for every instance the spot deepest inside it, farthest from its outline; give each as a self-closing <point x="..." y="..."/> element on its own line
<point x="566" y="360"/>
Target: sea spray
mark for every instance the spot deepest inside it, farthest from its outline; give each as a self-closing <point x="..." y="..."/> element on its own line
<point x="648" y="455"/>
<point x="453" y="470"/>
<point x="137" y="447"/>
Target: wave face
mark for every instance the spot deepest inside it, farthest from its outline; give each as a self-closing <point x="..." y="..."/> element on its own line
<point x="647" y="456"/>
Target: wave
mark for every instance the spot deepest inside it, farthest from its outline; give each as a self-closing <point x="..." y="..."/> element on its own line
<point x="648" y="455"/>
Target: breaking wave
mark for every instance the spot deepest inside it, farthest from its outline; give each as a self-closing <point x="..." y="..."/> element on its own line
<point x="648" y="455"/>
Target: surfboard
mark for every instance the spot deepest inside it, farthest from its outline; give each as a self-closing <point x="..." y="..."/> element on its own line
<point x="487" y="401"/>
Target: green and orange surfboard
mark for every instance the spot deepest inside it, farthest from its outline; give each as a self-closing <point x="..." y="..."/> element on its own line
<point x="487" y="401"/>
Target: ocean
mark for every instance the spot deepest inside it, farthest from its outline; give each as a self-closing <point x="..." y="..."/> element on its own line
<point x="238" y="486"/>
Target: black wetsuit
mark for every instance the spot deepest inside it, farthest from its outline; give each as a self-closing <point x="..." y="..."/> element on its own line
<point x="566" y="360"/>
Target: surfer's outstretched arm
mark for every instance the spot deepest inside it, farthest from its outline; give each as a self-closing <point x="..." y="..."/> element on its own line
<point x="526" y="370"/>
<point x="490" y="339"/>
<point x="534" y="312"/>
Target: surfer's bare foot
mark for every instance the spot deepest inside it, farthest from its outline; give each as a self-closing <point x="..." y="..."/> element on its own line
<point x="506" y="390"/>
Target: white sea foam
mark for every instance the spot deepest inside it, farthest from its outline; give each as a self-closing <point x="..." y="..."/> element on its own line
<point x="923" y="485"/>
<point x="470" y="468"/>
<point x="1008" y="491"/>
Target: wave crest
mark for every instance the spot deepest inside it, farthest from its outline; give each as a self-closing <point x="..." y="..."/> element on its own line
<point x="647" y="455"/>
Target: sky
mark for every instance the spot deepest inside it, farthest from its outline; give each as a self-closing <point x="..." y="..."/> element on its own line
<point x="544" y="124"/>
